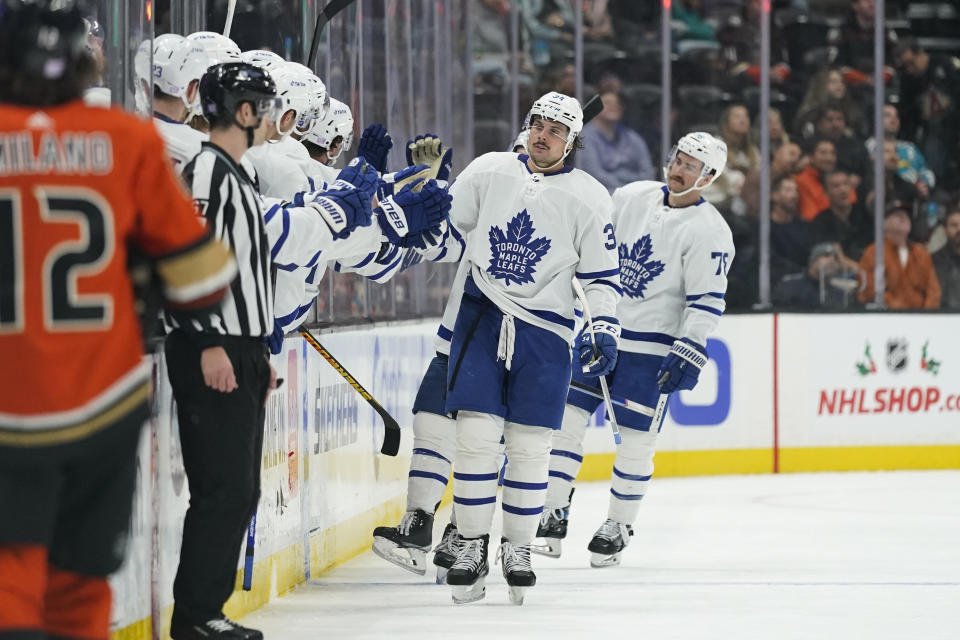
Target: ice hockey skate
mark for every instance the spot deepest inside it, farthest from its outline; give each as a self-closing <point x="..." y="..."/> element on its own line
<point x="608" y="543"/>
<point x="445" y="553"/>
<point x="407" y="544"/>
<point x="469" y="572"/>
<point x="515" y="562"/>
<point x="551" y="532"/>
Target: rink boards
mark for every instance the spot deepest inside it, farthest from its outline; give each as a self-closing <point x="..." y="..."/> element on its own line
<point x="780" y="393"/>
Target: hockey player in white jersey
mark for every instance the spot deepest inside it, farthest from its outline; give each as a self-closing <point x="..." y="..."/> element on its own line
<point x="675" y="250"/>
<point x="329" y="136"/>
<point x="532" y="224"/>
<point x="178" y="64"/>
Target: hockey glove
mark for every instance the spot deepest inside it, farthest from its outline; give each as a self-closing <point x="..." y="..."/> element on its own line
<point x="375" y="144"/>
<point x="681" y="367"/>
<point x="429" y="150"/>
<point x="597" y="346"/>
<point x="275" y="339"/>
<point x="360" y="174"/>
<point x="391" y="183"/>
<point x="343" y="208"/>
<point x="410" y="215"/>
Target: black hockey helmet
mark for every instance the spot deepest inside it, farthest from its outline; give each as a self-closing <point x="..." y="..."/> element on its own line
<point x="42" y="39"/>
<point x="224" y="87"/>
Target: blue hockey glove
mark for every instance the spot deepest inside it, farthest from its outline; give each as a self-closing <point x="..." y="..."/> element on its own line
<point x="375" y="144"/>
<point x="598" y="349"/>
<point x="391" y="183"/>
<point x="275" y="339"/>
<point x="681" y="367"/>
<point x="360" y="174"/>
<point x="413" y="213"/>
<point x="343" y="208"/>
<point x="429" y="150"/>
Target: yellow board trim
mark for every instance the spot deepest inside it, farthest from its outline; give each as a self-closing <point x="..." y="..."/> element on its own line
<point x="870" y="458"/>
<point x="344" y="541"/>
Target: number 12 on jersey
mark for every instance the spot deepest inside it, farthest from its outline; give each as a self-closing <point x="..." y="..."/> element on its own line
<point x="721" y="258"/>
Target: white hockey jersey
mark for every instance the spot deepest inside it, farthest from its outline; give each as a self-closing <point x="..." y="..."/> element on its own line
<point x="673" y="268"/>
<point x="529" y="234"/>
<point x="278" y="167"/>
<point x="181" y="140"/>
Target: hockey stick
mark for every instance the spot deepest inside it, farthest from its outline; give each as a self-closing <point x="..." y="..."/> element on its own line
<point x="248" y="557"/>
<point x="620" y="401"/>
<point x="391" y="430"/>
<point x="326" y="15"/>
<point x="231" y="8"/>
<point x="603" y="380"/>
<point x="592" y="108"/>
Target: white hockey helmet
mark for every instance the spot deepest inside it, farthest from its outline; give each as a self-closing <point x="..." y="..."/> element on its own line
<point x="702" y="146"/>
<point x="295" y="90"/>
<point x="219" y="47"/>
<point x="262" y="58"/>
<point x="338" y="121"/>
<point x="176" y="63"/>
<point x="559" y="108"/>
<point x="319" y="99"/>
<point x="521" y="140"/>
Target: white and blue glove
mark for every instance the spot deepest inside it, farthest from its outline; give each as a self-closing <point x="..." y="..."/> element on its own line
<point x="416" y="212"/>
<point x="375" y="144"/>
<point x="598" y="346"/>
<point x="343" y="208"/>
<point x="275" y="339"/>
<point x="681" y="367"/>
<point x="361" y="175"/>
<point x="429" y="150"/>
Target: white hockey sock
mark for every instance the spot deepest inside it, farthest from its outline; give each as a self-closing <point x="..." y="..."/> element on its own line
<point x="632" y="470"/>
<point x="566" y="455"/>
<point x="475" y="480"/>
<point x="525" y="480"/>
<point x="434" y="446"/>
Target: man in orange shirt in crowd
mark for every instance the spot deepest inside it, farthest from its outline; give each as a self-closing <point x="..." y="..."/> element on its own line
<point x="813" y="195"/>
<point x="910" y="281"/>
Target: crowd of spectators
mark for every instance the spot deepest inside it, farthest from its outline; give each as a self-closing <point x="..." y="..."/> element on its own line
<point x="821" y="125"/>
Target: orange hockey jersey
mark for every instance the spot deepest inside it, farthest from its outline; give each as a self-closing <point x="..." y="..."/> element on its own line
<point x="78" y="185"/>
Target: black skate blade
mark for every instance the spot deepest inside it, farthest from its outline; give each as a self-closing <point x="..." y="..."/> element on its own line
<point x="549" y="547"/>
<point x="412" y="559"/>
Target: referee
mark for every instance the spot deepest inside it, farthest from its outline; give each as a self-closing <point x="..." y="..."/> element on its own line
<point x="218" y="367"/>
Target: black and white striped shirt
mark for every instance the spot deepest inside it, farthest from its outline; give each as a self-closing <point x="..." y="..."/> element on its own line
<point x="227" y="199"/>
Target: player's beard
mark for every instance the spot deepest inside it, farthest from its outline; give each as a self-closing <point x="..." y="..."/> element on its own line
<point x="544" y="158"/>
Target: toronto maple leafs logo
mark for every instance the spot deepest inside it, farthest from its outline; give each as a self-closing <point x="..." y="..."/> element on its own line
<point x="516" y="252"/>
<point x="636" y="268"/>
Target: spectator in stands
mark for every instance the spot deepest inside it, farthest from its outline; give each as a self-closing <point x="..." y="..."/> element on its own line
<point x="786" y="162"/>
<point x="910" y="281"/>
<point x="911" y="165"/>
<point x="688" y="17"/>
<point x="778" y="133"/>
<point x="743" y="158"/>
<point x="829" y="282"/>
<point x="827" y="87"/>
<point x="790" y="236"/>
<point x="946" y="262"/>
<point x="930" y="99"/>
<point x="549" y="25"/>
<point x="742" y="35"/>
<point x="597" y="24"/>
<point x="898" y="189"/>
<point x="851" y="154"/>
<point x="855" y="47"/>
<point x="844" y="222"/>
<point x="813" y="196"/>
<point x="613" y="153"/>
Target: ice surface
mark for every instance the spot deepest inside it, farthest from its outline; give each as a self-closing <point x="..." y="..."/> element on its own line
<point x="813" y="556"/>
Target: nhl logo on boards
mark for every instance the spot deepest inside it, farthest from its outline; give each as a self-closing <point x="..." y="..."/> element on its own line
<point x="897" y="354"/>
